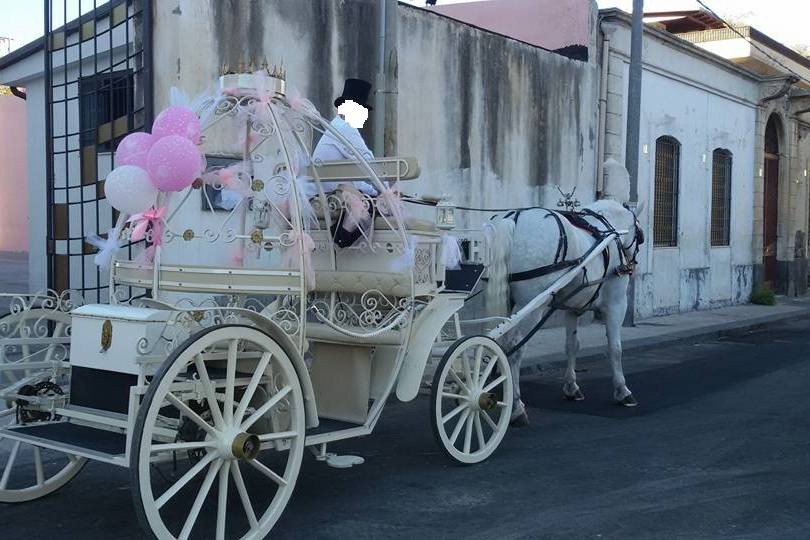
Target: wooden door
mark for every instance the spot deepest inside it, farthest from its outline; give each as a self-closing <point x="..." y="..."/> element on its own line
<point x="771" y="215"/>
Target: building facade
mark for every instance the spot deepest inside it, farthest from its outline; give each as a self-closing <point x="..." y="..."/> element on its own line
<point x="782" y="145"/>
<point x="696" y="170"/>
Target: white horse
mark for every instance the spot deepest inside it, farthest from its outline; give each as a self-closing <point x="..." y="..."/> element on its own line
<point x="537" y="238"/>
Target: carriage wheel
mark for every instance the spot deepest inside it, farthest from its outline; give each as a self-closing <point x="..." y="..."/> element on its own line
<point x="28" y="472"/>
<point x="471" y="399"/>
<point x="225" y="409"/>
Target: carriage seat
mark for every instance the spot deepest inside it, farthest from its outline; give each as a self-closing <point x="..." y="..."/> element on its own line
<point x="389" y="168"/>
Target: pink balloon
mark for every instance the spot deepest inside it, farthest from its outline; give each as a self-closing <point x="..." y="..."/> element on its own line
<point x="177" y="121"/>
<point x="133" y="149"/>
<point x="173" y="163"/>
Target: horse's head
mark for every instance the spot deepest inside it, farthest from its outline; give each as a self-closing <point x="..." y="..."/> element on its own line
<point x="622" y="217"/>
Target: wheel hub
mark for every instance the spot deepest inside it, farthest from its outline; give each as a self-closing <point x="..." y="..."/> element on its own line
<point x="245" y="446"/>
<point x="487" y="401"/>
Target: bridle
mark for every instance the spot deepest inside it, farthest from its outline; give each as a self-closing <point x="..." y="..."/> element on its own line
<point x="638" y="237"/>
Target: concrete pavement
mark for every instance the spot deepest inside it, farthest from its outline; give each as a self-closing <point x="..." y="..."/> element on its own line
<point x="548" y="345"/>
<point x="719" y="447"/>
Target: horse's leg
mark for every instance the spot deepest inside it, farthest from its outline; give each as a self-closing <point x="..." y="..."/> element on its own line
<point x="614" y="316"/>
<point x="571" y="389"/>
<point x="519" y="416"/>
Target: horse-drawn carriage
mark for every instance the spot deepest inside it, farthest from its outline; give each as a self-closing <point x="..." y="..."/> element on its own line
<point x="249" y="334"/>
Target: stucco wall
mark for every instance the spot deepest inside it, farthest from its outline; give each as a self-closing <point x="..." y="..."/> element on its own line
<point x="705" y="105"/>
<point x="490" y="119"/>
<point x="13" y="175"/>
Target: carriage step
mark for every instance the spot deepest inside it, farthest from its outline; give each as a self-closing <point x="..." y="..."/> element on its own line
<point x="93" y="443"/>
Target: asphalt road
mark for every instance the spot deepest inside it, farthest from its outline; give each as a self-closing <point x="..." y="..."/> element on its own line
<point x="718" y="448"/>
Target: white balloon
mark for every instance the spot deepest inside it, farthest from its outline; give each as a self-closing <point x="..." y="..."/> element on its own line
<point x="129" y="190"/>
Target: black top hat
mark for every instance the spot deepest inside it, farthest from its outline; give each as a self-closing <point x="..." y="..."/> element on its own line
<point x="356" y="90"/>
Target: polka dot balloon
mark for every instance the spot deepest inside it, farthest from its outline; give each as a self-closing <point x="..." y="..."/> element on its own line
<point x="173" y="163"/>
<point x="177" y="121"/>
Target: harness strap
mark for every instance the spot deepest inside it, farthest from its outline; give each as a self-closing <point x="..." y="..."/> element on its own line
<point x="559" y="257"/>
<point x="562" y="243"/>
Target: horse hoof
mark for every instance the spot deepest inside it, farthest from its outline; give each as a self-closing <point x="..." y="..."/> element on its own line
<point x="521" y="420"/>
<point x="576" y="396"/>
<point x="628" y="401"/>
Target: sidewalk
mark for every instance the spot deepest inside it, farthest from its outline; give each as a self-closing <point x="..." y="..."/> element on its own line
<point x="548" y="345"/>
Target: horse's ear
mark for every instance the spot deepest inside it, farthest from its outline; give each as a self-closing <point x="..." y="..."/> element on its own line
<point x="640" y="208"/>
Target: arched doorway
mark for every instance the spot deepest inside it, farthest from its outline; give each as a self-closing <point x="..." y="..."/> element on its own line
<point x="771" y="200"/>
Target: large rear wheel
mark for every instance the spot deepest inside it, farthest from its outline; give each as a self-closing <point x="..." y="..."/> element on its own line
<point x="219" y="437"/>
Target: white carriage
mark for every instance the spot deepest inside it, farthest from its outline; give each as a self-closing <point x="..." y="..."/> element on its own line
<point x="249" y="337"/>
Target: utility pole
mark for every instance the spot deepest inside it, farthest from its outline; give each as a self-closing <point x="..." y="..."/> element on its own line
<point x="633" y="127"/>
<point x="384" y="125"/>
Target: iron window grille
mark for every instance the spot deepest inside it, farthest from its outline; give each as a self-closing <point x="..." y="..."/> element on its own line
<point x="721" y="197"/>
<point x="667" y="179"/>
<point x="104" y="97"/>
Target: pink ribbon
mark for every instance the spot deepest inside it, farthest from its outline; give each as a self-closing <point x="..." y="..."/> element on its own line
<point x="142" y="221"/>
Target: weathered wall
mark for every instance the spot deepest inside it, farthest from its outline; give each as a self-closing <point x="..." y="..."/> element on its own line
<point x="705" y="105"/>
<point x="490" y="119"/>
<point x="13" y="175"/>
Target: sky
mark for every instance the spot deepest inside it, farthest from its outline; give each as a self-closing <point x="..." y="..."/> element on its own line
<point x="783" y="20"/>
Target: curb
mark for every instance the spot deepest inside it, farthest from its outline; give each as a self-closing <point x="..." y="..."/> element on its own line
<point x="552" y="360"/>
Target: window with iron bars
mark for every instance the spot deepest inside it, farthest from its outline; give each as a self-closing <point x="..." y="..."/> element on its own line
<point x="105" y="97"/>
<point x="667" y="178"/>
<point x="721" y="197"/>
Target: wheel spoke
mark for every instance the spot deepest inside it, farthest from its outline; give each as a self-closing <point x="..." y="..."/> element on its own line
<point x="198" y="502"/>
<point x="479" y="432"/>
<point x="243" y="495"/>
<point x="265" y="470"/>
<point x="450" y="395"/>
<point x="468" y="433"/>
<point x="191" y="415"/>
<point x="222" y="499"/>
<point x="173" y="447"/>
<point x="185" y="479"/>
<point x="10" y="465"/>
<point x="494" y="383"/>
<point x="489" y="420"/>
<point x="449" y="416"/>
<point x="487" y="372"/>
<point x="208" y="388"/>
<point x="251" y="388"/>
<point x="38" y="465"/>
<point x="230" y="377"/>
<point x="460" y="425"/>
<point x="466" y="367"/>
<point x="479" y="353"/>
<point x="458" y="380"/>
<point x="261" y="411"/>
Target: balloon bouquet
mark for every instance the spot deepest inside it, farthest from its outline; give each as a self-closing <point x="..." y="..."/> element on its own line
<point x="166" y="160"/>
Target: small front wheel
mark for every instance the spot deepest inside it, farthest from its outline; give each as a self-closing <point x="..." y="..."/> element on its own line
<point x="471" y="399"/>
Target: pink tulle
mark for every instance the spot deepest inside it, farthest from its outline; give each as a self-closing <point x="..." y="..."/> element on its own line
<point x="392" y="203"/>
<point x="356" y="212"/>
<point x="238" y="256"/>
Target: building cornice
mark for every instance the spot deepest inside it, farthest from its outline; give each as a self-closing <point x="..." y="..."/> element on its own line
<point x="616" y="15"/>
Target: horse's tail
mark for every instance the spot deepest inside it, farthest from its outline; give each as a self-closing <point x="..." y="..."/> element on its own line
<point x="500" y="234"/>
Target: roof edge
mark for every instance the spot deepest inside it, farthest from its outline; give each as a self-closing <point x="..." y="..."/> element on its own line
<point x="673" y="39"/>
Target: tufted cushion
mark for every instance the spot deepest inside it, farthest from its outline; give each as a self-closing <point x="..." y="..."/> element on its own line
<point x="389" y="284"/>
